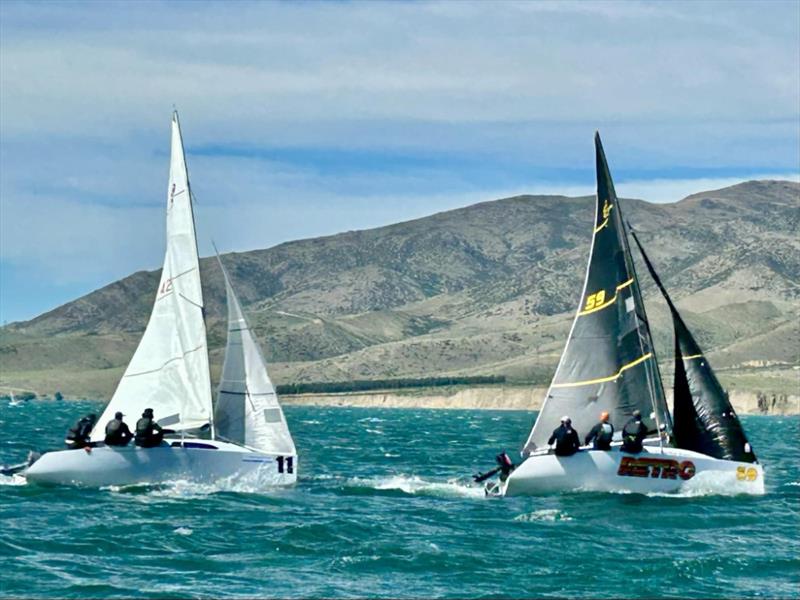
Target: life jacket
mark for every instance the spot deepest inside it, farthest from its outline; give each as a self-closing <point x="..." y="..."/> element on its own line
<point x="144" y="428"/>
<point x="604" y="436"/>
<point x="79" y="433"/>
<point x="113" y="427"/>
<point x="633" y="430"/>
<point x="565" y="441"/>
<point x="632" y="435"/>
<point x="74" y="432"/>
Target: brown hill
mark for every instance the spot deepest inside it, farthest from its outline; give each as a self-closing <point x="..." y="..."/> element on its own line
<point x="486" y="289"/>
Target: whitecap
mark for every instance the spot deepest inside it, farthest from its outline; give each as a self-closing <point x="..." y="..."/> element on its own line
<point x="181" y="489"/>
<point x="12" y="480"/>
<point x="545" y="514"/>
<point x="183" y="531"/>
<point x="417" y="486"/>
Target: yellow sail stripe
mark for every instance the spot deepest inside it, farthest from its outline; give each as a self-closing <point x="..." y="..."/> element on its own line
<point x="603" y="224"/>
<point x="613" y="299"/>
<point x="613" y="377"/>
<point x="693" y="356"/>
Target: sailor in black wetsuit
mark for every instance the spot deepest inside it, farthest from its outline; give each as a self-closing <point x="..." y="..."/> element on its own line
<point x="565" y="438"/>
<point x="505" y="467"/>
<point x="148" y="433"/>
<point x="117" y="432"/>
<point x="78" y="435"/>
<point x="602" y="433"/>
<point x="633" y="434"/>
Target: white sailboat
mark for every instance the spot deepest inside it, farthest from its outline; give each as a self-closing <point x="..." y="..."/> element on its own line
<point x="246" y="437"/>
<point x="609" y="364"/>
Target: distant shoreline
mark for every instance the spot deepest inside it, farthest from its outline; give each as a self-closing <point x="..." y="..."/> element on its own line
<point x="496" y="397"/>
<point x="488" y="397"/>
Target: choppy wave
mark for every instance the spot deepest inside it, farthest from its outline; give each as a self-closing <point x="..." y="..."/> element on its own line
<point x="414" y="485"/>
<point x="12" y="480"/>
<point x="186" y="489"/>
<point x="545" y="514"/>
<point x="362" y="524"/>
<point x="184" y="531"/>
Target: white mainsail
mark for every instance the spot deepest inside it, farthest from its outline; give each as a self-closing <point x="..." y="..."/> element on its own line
<point x="247" y="410"/>
<point x="169" y="370"/>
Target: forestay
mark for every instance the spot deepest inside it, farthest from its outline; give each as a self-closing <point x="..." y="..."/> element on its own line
<point x="169" y="370"/>
<point x="247" y="410"/>
<point x="608" y="363"/>
<point x="704" y="420"/>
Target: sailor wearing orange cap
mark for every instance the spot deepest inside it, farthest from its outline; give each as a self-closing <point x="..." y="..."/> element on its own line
<point x="602" y="433"/>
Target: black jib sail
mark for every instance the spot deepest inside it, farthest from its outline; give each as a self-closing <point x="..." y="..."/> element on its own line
<point x="704" y="420"/>
<point x="608" y="363"/>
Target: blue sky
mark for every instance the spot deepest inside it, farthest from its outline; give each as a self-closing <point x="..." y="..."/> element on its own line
<point x="303" y="119"/>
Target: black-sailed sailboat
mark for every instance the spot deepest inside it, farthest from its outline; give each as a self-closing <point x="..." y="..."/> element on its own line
<point x="609" y="364"/>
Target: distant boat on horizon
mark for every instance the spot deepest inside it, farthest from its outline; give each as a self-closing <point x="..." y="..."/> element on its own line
<point x="609" y="364"/>
<point x="244" y="436"/>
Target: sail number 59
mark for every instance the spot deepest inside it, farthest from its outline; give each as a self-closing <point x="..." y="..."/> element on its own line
<point x="746" y="474"/>
<point x="595" y="300"/>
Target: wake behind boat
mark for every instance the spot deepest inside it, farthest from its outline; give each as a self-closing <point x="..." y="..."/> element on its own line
<point x="245" y="437"/>
<point x="609" y="365"/>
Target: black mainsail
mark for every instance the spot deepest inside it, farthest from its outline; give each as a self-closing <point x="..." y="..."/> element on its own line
<point x="608" y="363"/>
<point x="704" y="420"/>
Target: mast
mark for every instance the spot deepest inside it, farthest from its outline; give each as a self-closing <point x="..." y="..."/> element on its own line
<point x="606" y="364"/>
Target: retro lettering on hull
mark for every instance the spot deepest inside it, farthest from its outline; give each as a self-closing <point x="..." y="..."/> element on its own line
<point x="656" y="468"/>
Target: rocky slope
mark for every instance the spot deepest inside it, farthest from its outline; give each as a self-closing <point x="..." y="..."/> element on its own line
<point x="486" y="289"/>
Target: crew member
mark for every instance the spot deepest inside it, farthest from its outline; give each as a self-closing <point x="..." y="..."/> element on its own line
<point x="148" y="433"/>
<point x="565" y="438"/>
<point x="633" y="433"/>
<point x="78" y="435"/>
<point x="602" y="433"/>
<point x="117" y="432"/>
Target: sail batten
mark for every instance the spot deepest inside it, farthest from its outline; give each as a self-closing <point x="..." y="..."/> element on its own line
<point x="608" y="363"/>
<point x="169" y="370"/>
<point x="247" y="411"/>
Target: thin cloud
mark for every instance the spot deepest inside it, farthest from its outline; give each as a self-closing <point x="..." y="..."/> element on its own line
<point x="304" y="119"/>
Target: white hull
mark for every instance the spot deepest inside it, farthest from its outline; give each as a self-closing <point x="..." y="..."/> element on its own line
<point x="654" y="470"/>
<point x="198" y="461"/>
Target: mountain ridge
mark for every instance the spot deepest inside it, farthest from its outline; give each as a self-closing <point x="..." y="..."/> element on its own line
<point x="479" y="290"/>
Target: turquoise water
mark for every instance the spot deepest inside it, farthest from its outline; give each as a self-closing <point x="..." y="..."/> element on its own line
<point x="385" y="507"/>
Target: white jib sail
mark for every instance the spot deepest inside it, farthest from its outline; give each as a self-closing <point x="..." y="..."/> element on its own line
<point x="247" y="410"/>
<point x="169" y="370"/>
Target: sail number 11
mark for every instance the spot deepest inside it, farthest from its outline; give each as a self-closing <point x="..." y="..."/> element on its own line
<point x="285" y="464"/>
